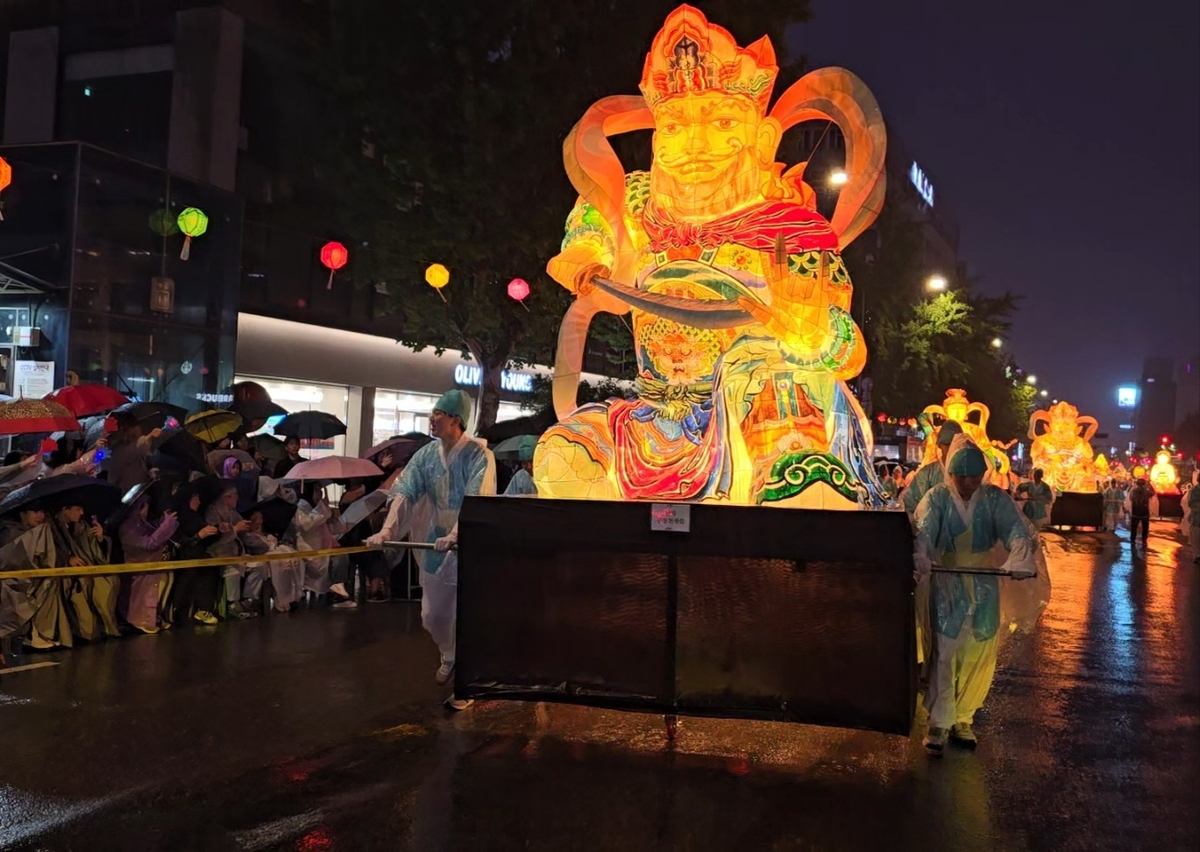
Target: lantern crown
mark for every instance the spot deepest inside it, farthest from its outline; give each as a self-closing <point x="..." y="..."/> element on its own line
<point x="689" y="56"/>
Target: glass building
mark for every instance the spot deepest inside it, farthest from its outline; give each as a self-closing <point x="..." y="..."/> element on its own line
<point x="92" y="282"/>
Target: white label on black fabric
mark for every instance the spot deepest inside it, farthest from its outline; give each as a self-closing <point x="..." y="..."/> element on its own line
<point x="670" y="517"/>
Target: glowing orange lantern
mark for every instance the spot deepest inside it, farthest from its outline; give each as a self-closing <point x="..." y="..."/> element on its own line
<point x="437" y="277"/>
<point x="5" y="180"/>
<point x="333" y="256"/>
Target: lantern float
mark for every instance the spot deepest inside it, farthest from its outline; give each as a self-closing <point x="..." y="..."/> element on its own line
<point x="192" y="222"/>
<point x="1061" y="451"/>
<point x="5" y="180"/>
<point x="437" y="277"/>
<point x="333" y="256"/>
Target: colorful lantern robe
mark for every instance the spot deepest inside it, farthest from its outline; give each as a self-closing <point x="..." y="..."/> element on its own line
<point x="737" y="292"/>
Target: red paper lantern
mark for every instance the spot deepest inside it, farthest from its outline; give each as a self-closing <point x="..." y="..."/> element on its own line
<point x="518" y="289"/>
<point x="5" y="179"/>
<point x="333" y="257"/>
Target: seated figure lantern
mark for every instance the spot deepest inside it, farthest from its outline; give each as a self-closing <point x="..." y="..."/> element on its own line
<point x="1163" y="477"/>
<point x="958" y="408"/>
<point x="1064" y="455"/>
<point x="738" y="295"/>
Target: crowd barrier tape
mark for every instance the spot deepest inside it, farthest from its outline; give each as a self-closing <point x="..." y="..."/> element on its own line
<point x="166" y="565"/>
<point x="213" y="562"/>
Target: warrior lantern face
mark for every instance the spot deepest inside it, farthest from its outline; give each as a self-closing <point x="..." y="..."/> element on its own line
<point x="712" y="149"/>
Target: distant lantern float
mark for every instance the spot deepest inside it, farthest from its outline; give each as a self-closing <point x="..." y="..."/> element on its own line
<point x="5" y="181"/>
<point x="518" y="289"/>
<point x="437" y="277"/>
<point x="192" y="222"/>
<point x="333" y="257"/>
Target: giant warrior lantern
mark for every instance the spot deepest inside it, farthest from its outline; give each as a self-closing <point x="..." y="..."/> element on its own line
<point x="1063" y="454"/>
<point x="735" y="284"/>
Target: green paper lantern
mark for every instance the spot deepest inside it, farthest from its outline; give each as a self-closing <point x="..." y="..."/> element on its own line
<point x="193" y="222"/>
<point x="163" y="223"/>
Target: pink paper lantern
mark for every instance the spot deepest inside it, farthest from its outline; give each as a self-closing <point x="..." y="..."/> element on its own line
<point x="518" y="289"/>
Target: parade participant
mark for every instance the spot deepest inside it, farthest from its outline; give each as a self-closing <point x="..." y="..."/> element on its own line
<point x="1113" y="499"/>
<point x="958" y="523"/>
<point x="521" y="484"/>
<point x="933" y="473"/>
<point x="429" y="495"/>
<point x="1193" y="507"/>
<point x="1038" y="497"/>
<point x="1139" y="510"/>
<point x="93" y="599"/>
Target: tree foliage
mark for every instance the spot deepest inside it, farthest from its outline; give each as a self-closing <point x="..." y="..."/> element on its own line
<point x="446" y="145"/>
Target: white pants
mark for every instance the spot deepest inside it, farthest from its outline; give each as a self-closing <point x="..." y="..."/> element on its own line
<point x="960" y="677"/>
<point x="439" y="612"/>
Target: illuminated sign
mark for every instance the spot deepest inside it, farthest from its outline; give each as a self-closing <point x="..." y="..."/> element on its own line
<point x="471" y="375"/>
<point x="1128" y="427"/>
<point x="924" y="187"/>
<point x="1127" y="396"/>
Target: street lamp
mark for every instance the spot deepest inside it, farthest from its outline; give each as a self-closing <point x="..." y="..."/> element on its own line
<point x="1031" y="379"/>
<point x="997" y="342"/>
<point x="838" y="178"/>
<point x="1045" y="393"/>
<point x="936" y="283"/>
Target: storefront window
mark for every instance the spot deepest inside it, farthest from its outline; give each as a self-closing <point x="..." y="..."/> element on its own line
<point x="296" y="396"/>
<point x="400" y="412"/>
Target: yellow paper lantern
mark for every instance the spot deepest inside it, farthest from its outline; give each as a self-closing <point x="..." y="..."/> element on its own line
<point x="193" y="222"/>
<point x="437" y="276"/>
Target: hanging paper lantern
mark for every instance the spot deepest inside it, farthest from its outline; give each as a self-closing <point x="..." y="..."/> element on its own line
<point x="437" y="276"/>
<point x="518" y="289"/>
<point x="193" y="222"/>
<point x="5" y="180"/>
<point x="333" y="256"/>
<point x="163" y="223"/>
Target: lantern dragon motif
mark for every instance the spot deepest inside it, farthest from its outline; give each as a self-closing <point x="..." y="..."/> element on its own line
<point x="1064" y="455"/>
<point x="738" y="295"/>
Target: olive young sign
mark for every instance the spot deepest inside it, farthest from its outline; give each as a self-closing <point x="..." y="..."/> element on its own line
<point x="471" y="375"/>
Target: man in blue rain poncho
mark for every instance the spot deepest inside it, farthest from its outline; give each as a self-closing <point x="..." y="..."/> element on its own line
<point x="958" y="523"/>
<point x="933" y="473"/>
<point x="521" y="484"/>
<point x="427" y="499"/>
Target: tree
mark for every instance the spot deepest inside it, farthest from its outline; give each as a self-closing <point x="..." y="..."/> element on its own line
<point x="447" y="142"/>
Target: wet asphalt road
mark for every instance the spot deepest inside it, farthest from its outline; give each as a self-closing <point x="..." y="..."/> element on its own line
<point x="322" y="731"/>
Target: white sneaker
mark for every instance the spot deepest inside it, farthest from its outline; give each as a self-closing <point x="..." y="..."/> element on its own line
<point x="346" y="604"/>
<point x="459" y="703"/>
<point x="445" y="672"/>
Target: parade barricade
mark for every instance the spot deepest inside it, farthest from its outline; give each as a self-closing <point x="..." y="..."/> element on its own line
<point x="1077" y="509"/>
<point x="725" y="611"/>
<point x="1170" y="505"/>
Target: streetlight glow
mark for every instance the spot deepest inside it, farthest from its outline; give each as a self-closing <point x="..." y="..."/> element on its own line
<point x="839" y="178"/>
<point x="1045" y="393"/>
<point x="997" y="342"/>
<point x="1031" y="380"/>
<point x="936" y="283"/>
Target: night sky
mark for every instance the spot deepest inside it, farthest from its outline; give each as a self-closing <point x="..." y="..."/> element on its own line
<point x="1064" y="138"/>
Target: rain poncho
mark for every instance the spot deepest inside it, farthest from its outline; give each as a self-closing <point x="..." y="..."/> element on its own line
<point x="35" y="603"/>
<point x="429" y="495"/>
<point x="93" y="600"/>
<point x="315" y="528"/>
<point x="1191" y="510"/>
<point x="1038" y="497"/>
<point x="149" y="593"/>
<point x="966" y="610"/>
<point x="1114" y="499"/>
<point x="521" y="485"/>
<point x="932" y="474"/>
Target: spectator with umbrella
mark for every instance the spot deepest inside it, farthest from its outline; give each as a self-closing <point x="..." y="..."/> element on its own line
<point x="126" y="464"/>
<point x="269" y="522"/>
<point x="27" y="542"/>
<point x="144" y="538"/>
<point x="291" y="446"/>
<point x="196" y="589"/>
<point x="316" y="525"/>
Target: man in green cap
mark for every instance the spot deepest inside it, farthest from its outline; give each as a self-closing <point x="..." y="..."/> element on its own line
<point x="427" y="499"/>
<point x="933" y="473"/>
<point x="958" y="523"/>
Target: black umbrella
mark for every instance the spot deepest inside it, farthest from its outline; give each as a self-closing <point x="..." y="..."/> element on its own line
<point x="277" y="514"/>
<point x="270" y="448"/>
<point x="151" y="415"/>
<point x="313" y="425"/>
<point x="402" y="448"/>
<point x="183" y="449"/>
<point x="98" y="498"/>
